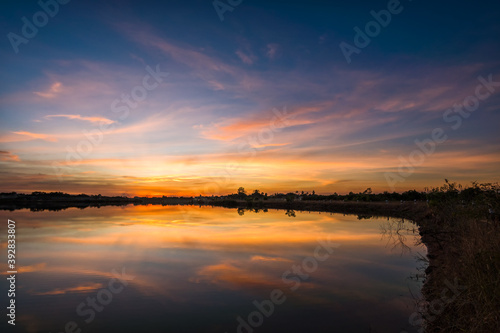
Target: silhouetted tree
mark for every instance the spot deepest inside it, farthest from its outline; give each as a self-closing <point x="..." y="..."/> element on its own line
<point x="241" y="192"/>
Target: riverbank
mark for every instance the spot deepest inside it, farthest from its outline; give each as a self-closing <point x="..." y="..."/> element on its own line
<point x="462" y="286"/>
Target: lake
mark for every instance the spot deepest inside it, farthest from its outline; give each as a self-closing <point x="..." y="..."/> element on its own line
<point x="204" y="269"/>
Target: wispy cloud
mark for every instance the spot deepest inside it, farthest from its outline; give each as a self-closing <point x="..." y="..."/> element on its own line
<point x="78" y="289"/>
<point x="230" y="129"/>
<point x="79" y="117"/>
<point x="51" y="92"/>
<point x="7" y="156"/>
<point x="272" y="50"/>
<point x="26" y="136"/>
<point x="267" y="258"/>
<point x="247" y="59"/>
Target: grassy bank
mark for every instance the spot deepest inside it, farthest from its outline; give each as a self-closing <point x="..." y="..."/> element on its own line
<point x="461" y="229"/>
<point x="462" y="288"/>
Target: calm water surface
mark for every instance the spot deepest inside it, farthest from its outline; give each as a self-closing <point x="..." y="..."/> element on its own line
<point x="192" y="269"/>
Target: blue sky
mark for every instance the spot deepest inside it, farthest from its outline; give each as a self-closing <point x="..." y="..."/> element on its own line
<point x="207" y="127"/>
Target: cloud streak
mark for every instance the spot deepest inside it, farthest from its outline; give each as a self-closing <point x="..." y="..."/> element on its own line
<point x="27" y="136"/>
<point x="79" y="117"/>
<point x="52" y="92"/>
<point x="7" y="156"/>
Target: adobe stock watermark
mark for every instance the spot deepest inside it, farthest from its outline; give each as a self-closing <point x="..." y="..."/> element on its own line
<point x="29" y="30"/>
<point x="120" y="106"/>
<point x="222" y="6"/>
<point x="372" y="29"/>
<point x="103" y="298"/>
<point x="435" y="307"/>
<point x="292" y="278"/>
<point x="455" y="116"/>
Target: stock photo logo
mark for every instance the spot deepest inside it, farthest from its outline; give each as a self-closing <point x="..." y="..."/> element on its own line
<point x="31" y="26"/>
<point x="372" y="29"/>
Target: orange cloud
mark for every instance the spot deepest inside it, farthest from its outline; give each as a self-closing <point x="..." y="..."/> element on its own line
<point x="227" y="131"/>
<point x="225" y="273"/>
<point x="35" y="136"/>
<point x="7" y="156"/>
<point x="262" y="258"/>
<point x="32" y="268"/>
<point x="28" y="269"/>
<point x="78" y="289"/>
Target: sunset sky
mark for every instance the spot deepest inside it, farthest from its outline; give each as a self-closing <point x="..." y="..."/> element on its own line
<point x="264" y="99"/>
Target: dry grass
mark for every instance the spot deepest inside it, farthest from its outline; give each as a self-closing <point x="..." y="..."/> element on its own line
<point x="466" y="247"/>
